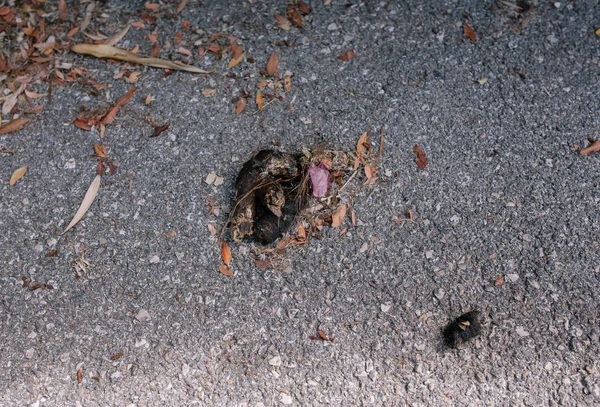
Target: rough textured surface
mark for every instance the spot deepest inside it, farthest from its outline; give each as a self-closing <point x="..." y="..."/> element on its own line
<point x="505" y="193"/>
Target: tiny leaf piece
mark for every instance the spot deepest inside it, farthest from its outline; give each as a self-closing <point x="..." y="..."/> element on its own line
<point x="469" y="31"/>
<point x="272" y="64"/>
<point x="14" y="125"/>
<point x="346" y="55"/>
<point x="108" y="51"/>
<point x="100" y="150"/>
<point x="236" y="55"/>
<point x="421" y="157"/>
<point x="294" y="16"/>
<point x="17" y="175"/>
<point x="260" y="100"/>
<point x="319" y="180"/>
<point x="595" y="146"/>
<point x="88" y="199"/>
<point x="363" y="143"/>
<point x="338" y="216"/>
<point x="240" y="105"/>
<point x="225" y="270"/>
<point x="226" y="253"/>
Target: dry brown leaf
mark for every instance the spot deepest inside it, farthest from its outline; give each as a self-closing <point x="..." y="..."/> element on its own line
<point x="371" y="174"/>
<point x="32" y="95"/>
<point x="14" y="125"/>
<point x="117" y="356"/>
<point x="225" y="253"/>
<point x="133" y="77"/>
<point x="17" y="175"/>
<point x="303" y="7"/>
<point x="294" y="16"/>
<point x="469" y="31"/>
<point x="283" y="22"/>
<point x="118" y="36"/>
<point x="63" y="11"/>
<point x="100" y="150"/>
<point x="149" y="99"/>
<point x="421" y="157"/>
<point x="171" y="233"/>
<point x="212" y="229"/>
<point x="184" y="51"/>
<point x="236" y="55"/>
<point x="595" y="146"/>
<point x="260" y="100"/>
<point x="262" y="264"/>
<point x="225" y="270"/>
<point x="338" y="216"/>
<point x="178" y="37"/>
<point x="208" y="92"/>
<point x="240" y="105"/>
<point x="109" y="118"/>
<point x="154" y="7"/>
<point x="80" y="375"/>
<point x="363" y="143"/>
<point x="499" y="281"/>
<point x="88" y="199"/>
<point x="138" y="24"/>
<point x="181" y="6"/>
<point x="272" y="64"/>
<point x="346" y="55"/>
<point x="107" y="51"/>
<point x="287" y="83"/>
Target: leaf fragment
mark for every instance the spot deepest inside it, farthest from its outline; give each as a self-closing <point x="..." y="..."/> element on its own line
<point x="469" y="31"/>
<point x="346" y="55"/>
<point x="225" y="253"/>
<point x="108" y="51"/>
<point x="236" y="55"/>
<point x="363" y="144"/>
<point x="14" y="125"/>
<point x="272" y="64"/>
<point x="240" y="105"/>
<point x="283" y="22"/>
<point x="499" y="281"/>
<point x="303" y="7"/>
<point x="100" y="150"/>
<point x="17" y="175"/>
<point x="260" y="100"/>
<point x="88" y="199"/>
<point x="421" y="157"/>
<point x="294" y="16"/>
<point x="158" y="130"/>
<point x="338" y="216"/>
<point x="225" y="270"/>
<point x="208" y="92"/>
<point x="595" y="146"/>
<point x="371" y="173"/>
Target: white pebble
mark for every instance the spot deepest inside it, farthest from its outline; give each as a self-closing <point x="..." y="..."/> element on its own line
<point x="275" y="361"/>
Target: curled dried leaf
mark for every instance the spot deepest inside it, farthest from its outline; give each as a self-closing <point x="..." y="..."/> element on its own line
<point x="338" y="216"/>
<point x="595" y="146"/>
<point x="225" y="253"/>
<point x="223" y="269"/>
<point x="294" y="16"/>
<point x="14" y="125"/>
<point x="88" y="199"/>
<point x="421" y="157"/>
<point x="260" y="100"/>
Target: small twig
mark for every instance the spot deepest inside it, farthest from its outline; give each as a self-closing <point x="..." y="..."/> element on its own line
<point x="409" y="219"/>
<point x="349" y="179"/>
<point x="509" y="4"/>
<point x="380" y="152"/>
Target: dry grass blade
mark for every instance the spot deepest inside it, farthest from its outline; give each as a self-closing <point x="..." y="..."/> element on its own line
<point x="14" y="125"/>
<point x="88" y="199"/>
<point x="17" y="175"/>
<point x="108" y="51"/>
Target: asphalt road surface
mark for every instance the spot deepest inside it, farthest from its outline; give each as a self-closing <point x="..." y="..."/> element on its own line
<point x="131" y="309"/>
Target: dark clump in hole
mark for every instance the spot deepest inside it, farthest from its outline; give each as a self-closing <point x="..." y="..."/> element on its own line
<point x="462" y="329"/>
<point x="269" y="195"/>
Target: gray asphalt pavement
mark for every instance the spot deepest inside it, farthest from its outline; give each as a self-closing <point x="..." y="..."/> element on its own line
<point x="137" y="303"/>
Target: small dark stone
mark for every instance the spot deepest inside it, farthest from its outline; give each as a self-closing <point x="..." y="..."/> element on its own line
<point x="462" y="329"/>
